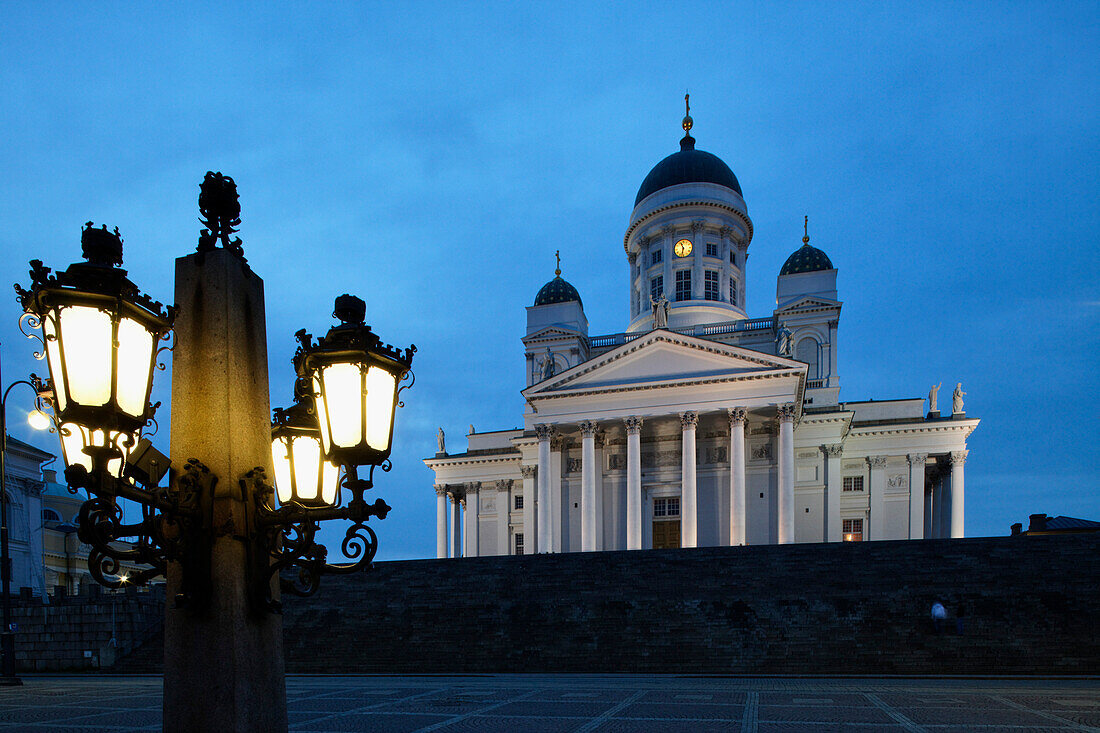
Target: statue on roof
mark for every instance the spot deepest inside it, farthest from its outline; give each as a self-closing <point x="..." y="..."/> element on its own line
<point x="441" y="439"/>
<point x="932" y="396"/>
<point x="957" y="400"/>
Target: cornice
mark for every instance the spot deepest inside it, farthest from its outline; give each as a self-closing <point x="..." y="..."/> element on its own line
<point x="966" y="428"/>
<point x="435" y="463"/>
<point x="681" y="204"/>
<point x="671" y="385"/>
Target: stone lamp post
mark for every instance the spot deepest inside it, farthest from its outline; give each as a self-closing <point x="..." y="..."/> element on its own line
<point x="216" y="532"/>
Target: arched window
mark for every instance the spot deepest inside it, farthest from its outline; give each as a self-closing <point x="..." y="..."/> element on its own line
<point x="49" y="515"/>
<point x="807" y="351"/>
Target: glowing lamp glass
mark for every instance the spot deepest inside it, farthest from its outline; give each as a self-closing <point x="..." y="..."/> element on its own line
<point x="355" y="404"/>
<point x="302" y="475"/>
<point x="75" y="438"/>
<point x="96" y="360"/>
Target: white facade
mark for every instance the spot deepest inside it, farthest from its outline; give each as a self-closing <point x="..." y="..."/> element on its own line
<point x="700" y="427"/>
<point x="24" y="485"/>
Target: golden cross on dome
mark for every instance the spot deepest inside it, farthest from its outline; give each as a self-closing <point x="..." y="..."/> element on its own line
<point x="806" y="230"/>
<point x="687" y="114"/>
<point x="557" y="256"/>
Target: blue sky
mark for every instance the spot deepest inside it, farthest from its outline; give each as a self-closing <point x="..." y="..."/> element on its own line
<point x="431" y="157"/>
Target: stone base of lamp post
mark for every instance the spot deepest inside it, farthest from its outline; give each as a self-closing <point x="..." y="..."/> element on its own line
<point x="223" y="658"/>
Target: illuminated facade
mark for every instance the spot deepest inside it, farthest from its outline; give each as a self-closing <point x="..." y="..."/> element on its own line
<point x="699" y="426"/>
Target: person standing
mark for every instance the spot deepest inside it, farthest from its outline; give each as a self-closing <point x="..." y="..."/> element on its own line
<point x="939" y="613"/>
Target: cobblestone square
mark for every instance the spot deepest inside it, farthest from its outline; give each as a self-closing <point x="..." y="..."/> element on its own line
<point x="583" y="703"/>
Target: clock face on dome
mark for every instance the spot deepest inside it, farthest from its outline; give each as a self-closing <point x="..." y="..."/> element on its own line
<point x="682" y="248"/>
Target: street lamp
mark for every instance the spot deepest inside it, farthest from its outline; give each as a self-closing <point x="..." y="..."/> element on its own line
<point x="217" y="535"/>
<point x="101" y="337"/>
<point x="7" y="635"/>
<point x="350" y="381"/>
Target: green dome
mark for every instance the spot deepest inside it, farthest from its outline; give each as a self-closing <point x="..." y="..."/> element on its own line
<point x="557" y="291"/>
<point x="806" y="259"/>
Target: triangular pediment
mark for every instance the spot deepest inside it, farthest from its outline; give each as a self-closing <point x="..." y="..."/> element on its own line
<point x="663" y="358"/>
<point x="809" y="302"/>
<point x="549" y="333"/>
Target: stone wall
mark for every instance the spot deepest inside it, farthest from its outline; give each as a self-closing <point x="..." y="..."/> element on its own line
<point x="1031" y="607"/>
<point x="84" y="632"/>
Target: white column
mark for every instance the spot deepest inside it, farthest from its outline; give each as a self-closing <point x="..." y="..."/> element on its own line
<point x="556" y="498"/>
<point x="928" y="533"/>
<point x="588" y="486"/>
<point x="530" y="533"/>
<point x="877" y="527"/>
<point x="916" y="495"/>
<point x="939" y="492"/>
<point x="737" y="476"/>
<point x="504" y="511"/>
<point x="633" y="483"/>
<point x="456" y="525"/>
<point x="472" y="519"/>
<point x="599" y="493"/>
<point x="834" y="484"/>
<point x="440" y="521"/>
<point x="543" y="512"/>
<point x="785" y="530"/>
<point x="958" y="459"/>
<point x="689" y="501"/>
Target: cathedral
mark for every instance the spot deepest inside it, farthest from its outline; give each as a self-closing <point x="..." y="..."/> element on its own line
<point x="697" y="425"/>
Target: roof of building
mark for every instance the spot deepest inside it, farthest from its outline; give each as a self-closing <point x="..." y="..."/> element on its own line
<point x="688" y="166"/>
<point x="557" y="290"/>
<point x="1061" y="523"/>
<point x="27" y="448"/>
<point x="806" y="259"/>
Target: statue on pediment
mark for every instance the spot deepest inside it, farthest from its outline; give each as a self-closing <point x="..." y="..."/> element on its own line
<point x="441" y="439"/>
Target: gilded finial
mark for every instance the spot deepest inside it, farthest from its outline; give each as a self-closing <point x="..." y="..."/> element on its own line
<point x="557" y="256"/>
<point x="687" y="115"/>
<point x="806" y="230"/>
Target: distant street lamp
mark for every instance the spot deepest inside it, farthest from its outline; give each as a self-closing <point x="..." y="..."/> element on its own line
<point x="101" y="337"/>
<point x="7" y="635"/>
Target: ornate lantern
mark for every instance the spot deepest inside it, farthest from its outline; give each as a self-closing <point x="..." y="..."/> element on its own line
<point x="101" y="336"/>
<point x="302" y="475"/>
<point x="353" y="381"/>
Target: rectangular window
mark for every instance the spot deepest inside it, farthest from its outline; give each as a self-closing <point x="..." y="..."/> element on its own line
<point x="853" y="530"/>
<point x="519" y="543"/>
<point x="674" y="506"/>
<point x="733" y="291"/>
<point x="519" y="502"/>
<point x="657" y="287"/>
<point x="666" y="508"/>
<point x="655" y="257"/>
<point x="683" y="285"/>
<point x="853" y="483"/>
<point x="733" y="258"/>
<point x="710" y="285"/>
<point x="712" y="250"/>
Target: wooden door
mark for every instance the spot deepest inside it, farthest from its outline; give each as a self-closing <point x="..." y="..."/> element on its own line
<point x="666" y="534"/>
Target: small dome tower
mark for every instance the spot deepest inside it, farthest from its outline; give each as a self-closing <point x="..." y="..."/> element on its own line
<point x="557" y="329"/>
